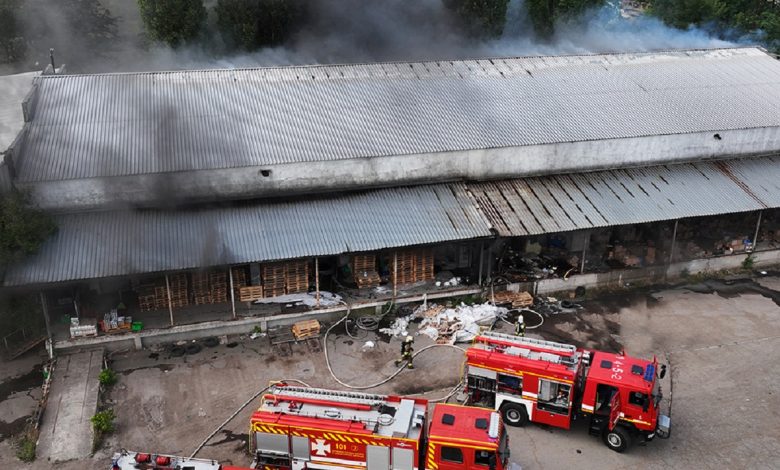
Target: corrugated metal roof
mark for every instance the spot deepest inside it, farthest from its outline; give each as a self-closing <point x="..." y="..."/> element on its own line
<point x="127" y="124"/>
<point x="103" y="244"/>
<point x="532" y="206"/>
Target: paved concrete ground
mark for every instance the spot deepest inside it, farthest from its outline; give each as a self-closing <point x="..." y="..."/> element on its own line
<point x="66" y="431"/>
<point x="723" y="348"/>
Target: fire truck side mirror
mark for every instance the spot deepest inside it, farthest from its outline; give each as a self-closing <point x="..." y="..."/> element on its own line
<point x="662" y="374"/>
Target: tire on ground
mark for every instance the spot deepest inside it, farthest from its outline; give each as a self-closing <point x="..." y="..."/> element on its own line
<point x="619" y="439"/>
<point x="514" y="414"/>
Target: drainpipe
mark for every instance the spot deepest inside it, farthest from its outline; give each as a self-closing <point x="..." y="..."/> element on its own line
<point x="232" y="292"/>
<point x="170" y="302"/>
<point x="49" y="337"/>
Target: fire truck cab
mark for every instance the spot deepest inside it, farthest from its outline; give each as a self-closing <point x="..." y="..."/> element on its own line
<point x="553" y="383"/>
<point x="304" y="428"/>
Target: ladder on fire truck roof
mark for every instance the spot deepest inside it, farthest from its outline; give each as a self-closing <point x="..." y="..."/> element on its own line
<point x="345" y="397"/>
<point x="565" y="349"/>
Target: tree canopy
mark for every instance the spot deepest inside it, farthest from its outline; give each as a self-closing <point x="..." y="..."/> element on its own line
<point x="252" y="24"/>
<point x="480" y="17"/>
<point x="23" y="227"/>
<point x="727" y="18"/>
<point x="173" y="22"/>
<point x="545" y="13"/>
<point x="12" y="46"/>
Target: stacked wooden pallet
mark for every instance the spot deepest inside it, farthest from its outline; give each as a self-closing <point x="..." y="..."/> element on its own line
<point x="306" y="329"/>
<point x="404" y="272"/>
<point x="423" y="266"/>
<point x="146" y="298"/>
<point x="516" y="299"/>
<point x="240" y="279"/>
<point x="250" y="293"/>
<point x="179" y="293"/>
<point x="296" y="277"/>
<point x="200" y="288"/>
<point x="273" y="279"/>
<point x="218" y="286"/>
<point x="160" y="297"/>
<point x="364" y="271"/>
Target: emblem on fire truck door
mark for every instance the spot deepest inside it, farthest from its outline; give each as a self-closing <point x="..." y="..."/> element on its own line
<point x="320" y="447"/>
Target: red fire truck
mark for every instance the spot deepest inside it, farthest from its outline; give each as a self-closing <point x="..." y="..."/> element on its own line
<point x="304" y="428"/>
<point x="554" y="383"/>
<point x="126" y="460"/>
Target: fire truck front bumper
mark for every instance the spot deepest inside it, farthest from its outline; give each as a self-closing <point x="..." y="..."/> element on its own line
<point x="664" y="428"/>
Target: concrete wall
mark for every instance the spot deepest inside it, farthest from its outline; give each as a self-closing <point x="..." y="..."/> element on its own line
<point x="326" y="176"/>
<point x="623" y="276"/>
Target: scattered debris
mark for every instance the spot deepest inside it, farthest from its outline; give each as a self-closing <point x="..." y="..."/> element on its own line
<point x="368" y="345"/>
<point x="327" y="299"/>
<point x="448" y="325"/>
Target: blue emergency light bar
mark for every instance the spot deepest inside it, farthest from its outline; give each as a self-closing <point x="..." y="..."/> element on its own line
<point x="649" y="372"/>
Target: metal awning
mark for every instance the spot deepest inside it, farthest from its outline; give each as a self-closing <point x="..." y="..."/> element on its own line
<point x="105" y="244"/>
<point x="559" y="203"/>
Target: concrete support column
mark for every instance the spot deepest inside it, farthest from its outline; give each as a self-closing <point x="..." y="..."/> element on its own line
<point x="758" y="227"/>
<point x="674" y="241"/>
<point x="395" y="274"/>
<point x="585" y="247"/>
<point x="170" y="302"/>
<point x="47" y="321"/>
<point x="232" y="292"/>
<point x="317" y="279"/>
<point x="481" y="259"/>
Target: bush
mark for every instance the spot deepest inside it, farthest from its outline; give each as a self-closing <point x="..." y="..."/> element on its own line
<point x="26" y="449"/>
<point x="252" y="24"/>
<point x="748" y="262"/>
<point x="103" y="422"/>
<point x="107" y="377"/>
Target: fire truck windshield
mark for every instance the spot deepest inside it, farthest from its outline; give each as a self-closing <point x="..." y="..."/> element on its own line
<point x="657" y="395"/>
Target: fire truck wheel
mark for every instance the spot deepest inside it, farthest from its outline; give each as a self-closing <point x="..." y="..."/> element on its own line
<point x="619" y="439"/>
<point x="514" y="414"/>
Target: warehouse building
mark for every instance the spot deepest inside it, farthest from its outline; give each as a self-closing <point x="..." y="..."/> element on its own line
<point x="190" y="196"/>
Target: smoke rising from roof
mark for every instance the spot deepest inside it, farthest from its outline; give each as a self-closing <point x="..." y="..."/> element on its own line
<point x="349" y="31"/>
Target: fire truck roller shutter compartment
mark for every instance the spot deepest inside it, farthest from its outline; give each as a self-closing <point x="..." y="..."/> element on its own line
<point x="378" y="457"/>
<point x="272" y="442"/>
<point x="403" y="459"/>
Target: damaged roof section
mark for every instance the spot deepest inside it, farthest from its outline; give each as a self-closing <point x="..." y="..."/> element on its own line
<point x="559" y="203"/>
<point x="104" y="244"/>
<point x="93" y="126"/>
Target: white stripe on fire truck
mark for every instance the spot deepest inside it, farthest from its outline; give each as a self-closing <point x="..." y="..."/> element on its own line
<point x="587" y="407"/>
<point x="529" y="394"/>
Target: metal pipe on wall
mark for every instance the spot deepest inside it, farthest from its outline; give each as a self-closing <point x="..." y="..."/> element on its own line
<point x="758" y="227"/>
<point x="47" y="321"/>
<point x="317" y="279"/>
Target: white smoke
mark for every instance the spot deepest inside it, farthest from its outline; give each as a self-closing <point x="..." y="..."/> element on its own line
<point x="350" y="31"/>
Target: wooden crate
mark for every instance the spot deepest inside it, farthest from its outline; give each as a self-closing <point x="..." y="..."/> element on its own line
<point x="273" y="279"/>
<point x="306" y="329"/>
<point x="250" y="293"/>
<point x="423" y="267"/>
<point x="364" y="271"/>
<point x="240" y="278"/>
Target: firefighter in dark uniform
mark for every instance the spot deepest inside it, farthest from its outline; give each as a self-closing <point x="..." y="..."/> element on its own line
<point x="520" y="326"/>
<point x="406" y="352"/>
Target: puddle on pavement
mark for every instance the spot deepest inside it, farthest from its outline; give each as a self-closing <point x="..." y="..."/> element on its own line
<point x="8" y="430"/>
<point x="730" y="288"/>
<point x="23" y="383"/>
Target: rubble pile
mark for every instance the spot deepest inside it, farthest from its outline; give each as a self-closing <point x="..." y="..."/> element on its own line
<point x="448" y="325"/>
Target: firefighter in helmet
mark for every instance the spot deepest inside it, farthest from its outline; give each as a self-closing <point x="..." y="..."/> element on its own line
<point x="406" y="352"/>
<point x="520" y="326"/>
